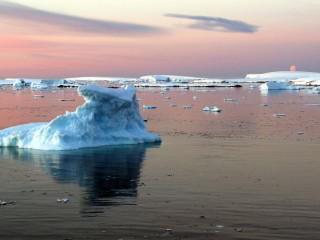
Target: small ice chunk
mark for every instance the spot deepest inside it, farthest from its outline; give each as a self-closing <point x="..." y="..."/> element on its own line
<point x="300" y="133"/>
<point x="215" y="109"/>
<point x="63" y="200"/>
<point x="230" y="99"/>
<point x="149" y="107"/>
<point x="62" y="100"/>
<point x="173" y="105"/>
<point x="279" y="115"/>
<point x="3" y="202"/>
<point x="238" y="229"/>
<point x="220" y="226"/>
<point x="186" y="107"/>
<point x="212" y="109"/>
<point x="38" y="96"/>
<point x="195" y="97"/>
<point x="162" y="92"/>
<point x="313" y="104"/>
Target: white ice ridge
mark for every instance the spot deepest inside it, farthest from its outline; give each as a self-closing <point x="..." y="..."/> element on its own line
<point x="108" y="117"/>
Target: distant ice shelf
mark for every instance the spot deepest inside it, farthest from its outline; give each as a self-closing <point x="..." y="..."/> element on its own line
<point x="108" y="117"/>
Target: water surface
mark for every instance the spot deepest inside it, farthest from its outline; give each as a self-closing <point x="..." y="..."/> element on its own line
<point x="243" y="168"/>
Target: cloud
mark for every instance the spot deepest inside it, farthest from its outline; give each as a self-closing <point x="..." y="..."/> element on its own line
<point x="217" y="24"/>
<point x="14" y="11"/>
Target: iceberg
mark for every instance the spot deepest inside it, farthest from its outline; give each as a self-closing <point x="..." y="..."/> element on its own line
<point x="19" y="83"/>
<point x="276" y="86"/>
<point x="108" y="117"/>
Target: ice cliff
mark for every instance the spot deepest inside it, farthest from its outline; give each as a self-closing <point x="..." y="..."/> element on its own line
<point x="108" y="117"/>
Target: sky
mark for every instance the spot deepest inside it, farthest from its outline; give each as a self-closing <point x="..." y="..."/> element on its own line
<point x="132" y="38"/>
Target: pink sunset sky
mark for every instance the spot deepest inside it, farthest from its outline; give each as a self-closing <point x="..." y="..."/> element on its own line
<point x="131" y="38"/>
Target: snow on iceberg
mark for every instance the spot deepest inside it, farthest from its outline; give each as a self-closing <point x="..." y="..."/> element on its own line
<point x="108" y="117"/>
<point x="276" y="86"/>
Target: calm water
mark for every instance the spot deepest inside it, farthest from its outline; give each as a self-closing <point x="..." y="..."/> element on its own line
<point x="243" y="168"/>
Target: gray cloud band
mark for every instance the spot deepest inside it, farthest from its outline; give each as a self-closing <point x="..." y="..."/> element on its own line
<point x="73" y="23"/>
<point x="217" y="24"/>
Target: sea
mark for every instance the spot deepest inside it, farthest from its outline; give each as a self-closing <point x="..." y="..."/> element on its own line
<point x="250" y="171"/>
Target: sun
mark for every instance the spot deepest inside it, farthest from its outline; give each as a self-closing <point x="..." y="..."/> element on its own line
<point x="292" y="68"/>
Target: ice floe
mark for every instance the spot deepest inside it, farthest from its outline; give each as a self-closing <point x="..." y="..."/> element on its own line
<point x="108" y="117"/>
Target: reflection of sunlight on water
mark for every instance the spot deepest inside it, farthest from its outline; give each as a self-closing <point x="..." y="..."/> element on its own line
<point x="109" y="175"/>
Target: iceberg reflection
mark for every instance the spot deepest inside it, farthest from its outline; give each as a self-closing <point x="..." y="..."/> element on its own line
<point x="109" y="175"/>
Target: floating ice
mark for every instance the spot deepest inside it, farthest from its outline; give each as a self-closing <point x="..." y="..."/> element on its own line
<point x="230" y="99"/>
<point x="19" y="83"/>
<point x="215" y="109"/>
<point x="238" y="229"/>
<point x="184" y="87"/>
<point x="187" y="107"/>
<point x="220" y="226"/>
<point x="173" y="105"/>
<point x="108" y="117"/>
<point x="313" y="92"/>
<point x="63" y="200"/>
<point x="63" y="100"/>
<point x="212" y="109"/>
<point x="38" y="96"/>
<point x="313" y="104"/>
<point x="279" y="115"/>
<point x="276" y="86"/>
<point x="149" y="107"/>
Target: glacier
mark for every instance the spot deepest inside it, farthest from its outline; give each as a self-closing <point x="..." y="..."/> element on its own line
<point x="108" y="117"/>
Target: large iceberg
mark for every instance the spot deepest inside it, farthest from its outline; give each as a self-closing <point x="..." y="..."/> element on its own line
<point x="108" y="117"/>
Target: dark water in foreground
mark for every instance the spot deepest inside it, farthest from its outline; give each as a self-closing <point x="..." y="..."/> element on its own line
<point x="243" y="169"/>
